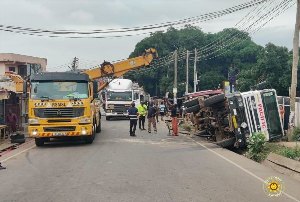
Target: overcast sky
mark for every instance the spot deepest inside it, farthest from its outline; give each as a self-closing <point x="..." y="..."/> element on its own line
<point x="103" y="14"/>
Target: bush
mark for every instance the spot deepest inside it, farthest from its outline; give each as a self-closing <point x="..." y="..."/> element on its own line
<point x="256" y="146"/>
<point x="296" y="134"/>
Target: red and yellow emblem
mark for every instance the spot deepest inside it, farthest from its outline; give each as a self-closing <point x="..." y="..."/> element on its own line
<point x="274" y="186"/>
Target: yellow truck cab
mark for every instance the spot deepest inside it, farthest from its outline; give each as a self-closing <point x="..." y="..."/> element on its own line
<point x="62" y="104"/>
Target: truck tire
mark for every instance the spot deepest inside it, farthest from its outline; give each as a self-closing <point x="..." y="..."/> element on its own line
<point x="89" y="139"/>
<point x="98" y="128"/>
<point x="107" y="118"/>
<point x="228" y="143"/>
<point x="213" y="100"/>
<point x="39" y="142"/>
<point x="193" y="109"/>
<point x="191" y="103"/>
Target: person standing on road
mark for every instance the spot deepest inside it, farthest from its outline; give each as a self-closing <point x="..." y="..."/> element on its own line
<point x="157" y="113"/>
<point x="132" y="113"/>
<point x="174" y="119"/>
<point x="162" y="109"/>
<point x="11" y="122"/>
<point x="232" y="75"/>
<point x="151" y="118"/>
<point x="142" y="108"/>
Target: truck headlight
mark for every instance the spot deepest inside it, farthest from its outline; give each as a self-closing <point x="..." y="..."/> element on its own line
<point x="33" y="121"/>
<point x="244" y="125"/>
<point x="85" y="120"/>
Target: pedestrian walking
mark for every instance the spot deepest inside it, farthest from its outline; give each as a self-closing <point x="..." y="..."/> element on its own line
<point x="157" y="112"/>
<point x="151" y="117"/>
<point x="142" y="109"/>
<point x="232" y="75"/>
<point x="11" y="122"/>
<point x="132" y="113"/>
<point x="162" y="109"/>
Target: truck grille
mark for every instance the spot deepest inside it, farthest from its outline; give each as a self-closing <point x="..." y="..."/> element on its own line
<point x="59" y="129"/>
<point x="59" y="112"/>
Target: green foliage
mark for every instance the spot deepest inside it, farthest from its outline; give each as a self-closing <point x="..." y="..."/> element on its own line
<point x="296" y="134"/>
<point x="256" y="146"/>
<point x="270" y="63"/>
<point x="292" y="153"/>
<point x="186" y="127"/>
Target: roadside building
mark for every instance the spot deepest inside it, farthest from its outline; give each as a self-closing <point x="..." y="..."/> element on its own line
<point x="10" y="95"/>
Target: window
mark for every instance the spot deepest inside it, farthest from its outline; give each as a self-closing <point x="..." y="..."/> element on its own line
<point x="22" y="70"/>
<point x="12" y="69"/>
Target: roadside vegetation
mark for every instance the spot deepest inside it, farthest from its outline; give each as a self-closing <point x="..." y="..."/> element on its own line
<point x="258" y="149"/>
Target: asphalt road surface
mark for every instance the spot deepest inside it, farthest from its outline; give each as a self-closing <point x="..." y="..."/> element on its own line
<point x="149" y="167"/>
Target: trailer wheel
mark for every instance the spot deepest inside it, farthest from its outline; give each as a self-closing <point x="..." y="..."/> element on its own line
<point x="191" y="103"/>
<point x="213" y="100"/>
<point x="193" y="109"/>
<point x="39" y="142"/>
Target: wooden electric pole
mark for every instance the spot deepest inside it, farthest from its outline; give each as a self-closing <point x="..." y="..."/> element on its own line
<point x="294" y="72"/>
<point x="195" y="73"/>
<point x="187" y="73"/>
<point x="175" y="77"/>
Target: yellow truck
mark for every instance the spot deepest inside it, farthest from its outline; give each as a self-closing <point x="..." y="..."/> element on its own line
<point x="62" y="104"/>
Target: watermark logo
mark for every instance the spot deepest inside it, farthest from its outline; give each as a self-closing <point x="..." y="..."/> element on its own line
<point x="274" y="186"/>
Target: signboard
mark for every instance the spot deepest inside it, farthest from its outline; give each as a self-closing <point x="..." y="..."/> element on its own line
<point x="174" y="90"/>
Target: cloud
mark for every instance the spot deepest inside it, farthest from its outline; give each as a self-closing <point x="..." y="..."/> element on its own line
<point x="103" y="14"/>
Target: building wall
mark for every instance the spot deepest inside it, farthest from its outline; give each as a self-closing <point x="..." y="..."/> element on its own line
<point x="2" y="68"/>
<point x="23" y="58"/>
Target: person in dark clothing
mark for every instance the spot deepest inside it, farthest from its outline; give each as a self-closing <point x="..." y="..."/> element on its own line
<point x="133" y="114"/>
<point x="151" y="118"/>
<point x="232" y="74"/>
<point x="11" y="122"/>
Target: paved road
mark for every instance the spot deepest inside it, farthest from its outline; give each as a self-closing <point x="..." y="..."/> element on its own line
<point x="149" y="167"/>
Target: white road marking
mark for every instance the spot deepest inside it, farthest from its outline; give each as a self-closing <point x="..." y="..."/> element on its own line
<point x="18" y="153"/>
<point x="240" y="167"/>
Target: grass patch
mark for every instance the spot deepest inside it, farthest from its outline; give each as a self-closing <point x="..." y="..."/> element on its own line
<point x="296" y="134"/>
<point x="292" y="153"/>
<point x="186" y="127"/>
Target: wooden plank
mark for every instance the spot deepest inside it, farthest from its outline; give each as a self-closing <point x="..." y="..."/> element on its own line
<point x="285" y="162"/>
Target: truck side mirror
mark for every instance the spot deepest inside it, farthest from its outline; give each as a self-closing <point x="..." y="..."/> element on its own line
<point x="24" y="95"/>
<point x="95" y="89"/>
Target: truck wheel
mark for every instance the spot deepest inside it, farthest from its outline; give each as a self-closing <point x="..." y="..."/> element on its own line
<point x="89" y="139"/>
<point x="228" y="143"/>
<point x="107" y="118"/>
<point x="194" y="109"/>
<point x="213" y="100"/>
<point x="98" y="128"/>
<point x="39" y="142"/>
<point x="191" y="103"/>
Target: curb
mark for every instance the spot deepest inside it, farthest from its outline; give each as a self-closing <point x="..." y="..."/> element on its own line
<point x="283" y="165"/>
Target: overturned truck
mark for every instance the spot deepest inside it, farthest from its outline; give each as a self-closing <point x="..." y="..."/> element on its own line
<point x="231" y="119"/>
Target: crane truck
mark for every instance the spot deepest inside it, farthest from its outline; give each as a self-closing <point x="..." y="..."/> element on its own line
<point x="62" y="104"/>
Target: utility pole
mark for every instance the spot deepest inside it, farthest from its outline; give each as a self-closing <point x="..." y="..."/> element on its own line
<point x="294" y="72"/>
<point x="187" y="73"/>
<point x="195" y="73"/>
<point x="74" y="64"/>
<point x="175" y="77"/>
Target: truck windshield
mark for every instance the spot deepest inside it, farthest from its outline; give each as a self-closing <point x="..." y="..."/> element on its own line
<point x="119" y="96"/>
<point x="59" y="90"/>
<point x="272" y="115"/>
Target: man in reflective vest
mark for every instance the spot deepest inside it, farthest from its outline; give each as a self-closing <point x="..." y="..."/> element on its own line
<point x="132" y="113"/>
<point x="142" y="108"/>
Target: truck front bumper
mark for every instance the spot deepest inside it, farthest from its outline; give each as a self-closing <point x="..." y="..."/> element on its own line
<point x="60" y="131"/>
